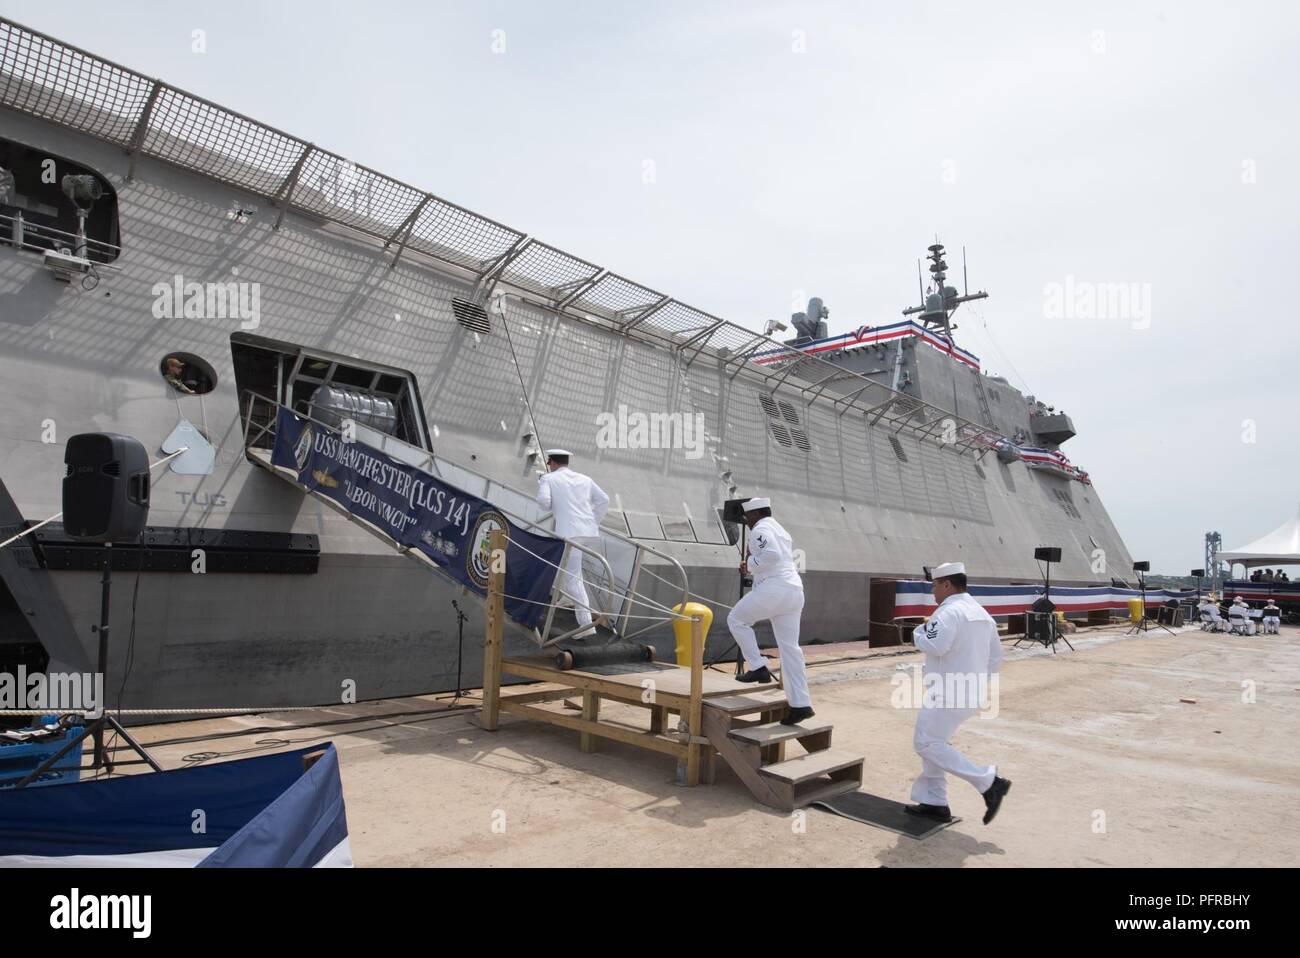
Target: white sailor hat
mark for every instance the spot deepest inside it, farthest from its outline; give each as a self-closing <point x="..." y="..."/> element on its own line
<point x="557" y="452"/>
<point x="753" y="505"/>
<point x="947" y="569"/>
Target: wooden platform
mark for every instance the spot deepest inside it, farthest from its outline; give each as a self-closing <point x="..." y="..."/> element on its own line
<point x="718" y="716"/>
<point x="671" y="683"/>
<point x="660" y="688"/>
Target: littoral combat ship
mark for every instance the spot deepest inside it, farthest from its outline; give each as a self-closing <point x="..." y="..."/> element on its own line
<point x="180" y="273"/>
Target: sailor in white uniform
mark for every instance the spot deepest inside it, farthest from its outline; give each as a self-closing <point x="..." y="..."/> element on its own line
<point x="777" y="595"/>
<point x="962" y="655"/>
<point x="578" y="505"/>
<point x="1211" y="618"/>
<point x="1240" y="610"/>
<point x="1272" y="618"/>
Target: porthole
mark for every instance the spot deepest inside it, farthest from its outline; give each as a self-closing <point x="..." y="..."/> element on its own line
<point x="187" y="374"/>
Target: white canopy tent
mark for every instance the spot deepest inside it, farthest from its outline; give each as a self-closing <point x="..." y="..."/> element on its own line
<point x="1279" y="547"/>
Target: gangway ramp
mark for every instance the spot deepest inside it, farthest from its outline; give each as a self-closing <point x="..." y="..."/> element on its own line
<point x="441" y="514"/>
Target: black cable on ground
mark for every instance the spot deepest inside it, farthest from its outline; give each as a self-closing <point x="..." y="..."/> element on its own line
<point x="262" y="729"/>
<point x="198" y="758"/>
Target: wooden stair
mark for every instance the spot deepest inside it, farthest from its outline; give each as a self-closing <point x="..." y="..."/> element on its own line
<point x="745" y="730"/>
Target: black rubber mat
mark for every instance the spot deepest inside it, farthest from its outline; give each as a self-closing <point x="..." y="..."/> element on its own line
<point x="621" y="668"/>
<point x="883" y="813"/>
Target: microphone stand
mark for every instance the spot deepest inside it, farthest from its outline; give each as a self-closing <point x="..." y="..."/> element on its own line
<point x="460" y="645"/>
<point x="95" y="727"/>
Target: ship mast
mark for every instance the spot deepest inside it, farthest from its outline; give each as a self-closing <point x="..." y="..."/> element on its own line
<point x="938" y="305"/>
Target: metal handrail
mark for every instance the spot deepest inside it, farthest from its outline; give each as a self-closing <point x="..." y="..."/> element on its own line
<point x="268" y="429"/>
<point x="642" y="549"/>
<point x="16" y="229"/>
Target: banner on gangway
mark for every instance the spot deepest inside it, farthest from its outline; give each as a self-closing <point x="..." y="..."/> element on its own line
<point x="419" y="511"/>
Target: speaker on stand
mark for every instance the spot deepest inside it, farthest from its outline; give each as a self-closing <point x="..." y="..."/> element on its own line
<point x="1144" y="624"/>
<point x="1040" y="620"/>
<point x="105" y="500"/>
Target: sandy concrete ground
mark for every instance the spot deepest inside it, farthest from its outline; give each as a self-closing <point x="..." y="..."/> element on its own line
<point x="1109" y="768"/>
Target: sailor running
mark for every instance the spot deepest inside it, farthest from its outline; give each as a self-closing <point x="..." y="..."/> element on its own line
<point x="962" y="654"/>
<point x="578" y="505"/>
<point x="777" y="595"/>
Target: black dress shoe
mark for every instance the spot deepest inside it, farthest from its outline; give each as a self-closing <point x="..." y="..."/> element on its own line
<point x="757" y="675"/>
<point x="797" y="715"/>
<point x="940" y="813"/>
<point x="993" y="797"/>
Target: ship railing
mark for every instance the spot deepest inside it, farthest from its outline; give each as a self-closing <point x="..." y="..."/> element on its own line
<point x="614" y="565"/>
<point x="22" y="233"/>
<point x="55" y="81"/>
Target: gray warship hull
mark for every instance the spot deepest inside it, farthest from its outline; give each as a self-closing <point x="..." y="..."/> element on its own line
<point x="351" y="266"/>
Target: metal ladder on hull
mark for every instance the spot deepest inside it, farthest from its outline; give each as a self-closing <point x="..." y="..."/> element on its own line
<point x="985" y="410"/>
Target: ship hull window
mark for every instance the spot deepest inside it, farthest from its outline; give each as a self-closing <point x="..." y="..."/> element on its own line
<point x="43" y="200"/>
<point x="188" y="374"/>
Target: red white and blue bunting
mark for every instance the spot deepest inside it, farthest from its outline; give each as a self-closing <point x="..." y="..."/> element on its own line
<point x="913" y="599"/>
<point x="1051" y="460"/>
<point x="870" y="336"/>
<point x="1262" y="591"/>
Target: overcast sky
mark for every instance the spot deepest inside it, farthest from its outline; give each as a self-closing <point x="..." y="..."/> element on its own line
<point x="733" y="154"/>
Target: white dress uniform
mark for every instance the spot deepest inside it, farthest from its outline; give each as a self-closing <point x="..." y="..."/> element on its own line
<point x="1240" y="612"/>
<point x="1272" y="618"/>
<point x="1209" y="608"/>
<point x="777" y="595"/>
<point x="578" y="505"/>
<point x="960" y="640"/>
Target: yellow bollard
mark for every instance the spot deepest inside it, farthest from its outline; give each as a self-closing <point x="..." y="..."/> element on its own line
<point x="1135" y="610"/>
<point x="682" y="628"/>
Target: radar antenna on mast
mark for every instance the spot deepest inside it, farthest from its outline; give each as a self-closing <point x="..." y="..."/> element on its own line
<point x="938" y="305"/>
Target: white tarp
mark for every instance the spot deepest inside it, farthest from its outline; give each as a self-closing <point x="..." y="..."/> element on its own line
<point x="1279" y="547"/>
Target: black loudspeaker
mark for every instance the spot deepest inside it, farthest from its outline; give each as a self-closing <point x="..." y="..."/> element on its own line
<point x="1039" y="627"/>
<point x="106" y="489"/>
<point x="733" y="510"/>
<point x="1198" y="573"/>
<point x="1048" y="553"/>
<point x="1141" y="566"/>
